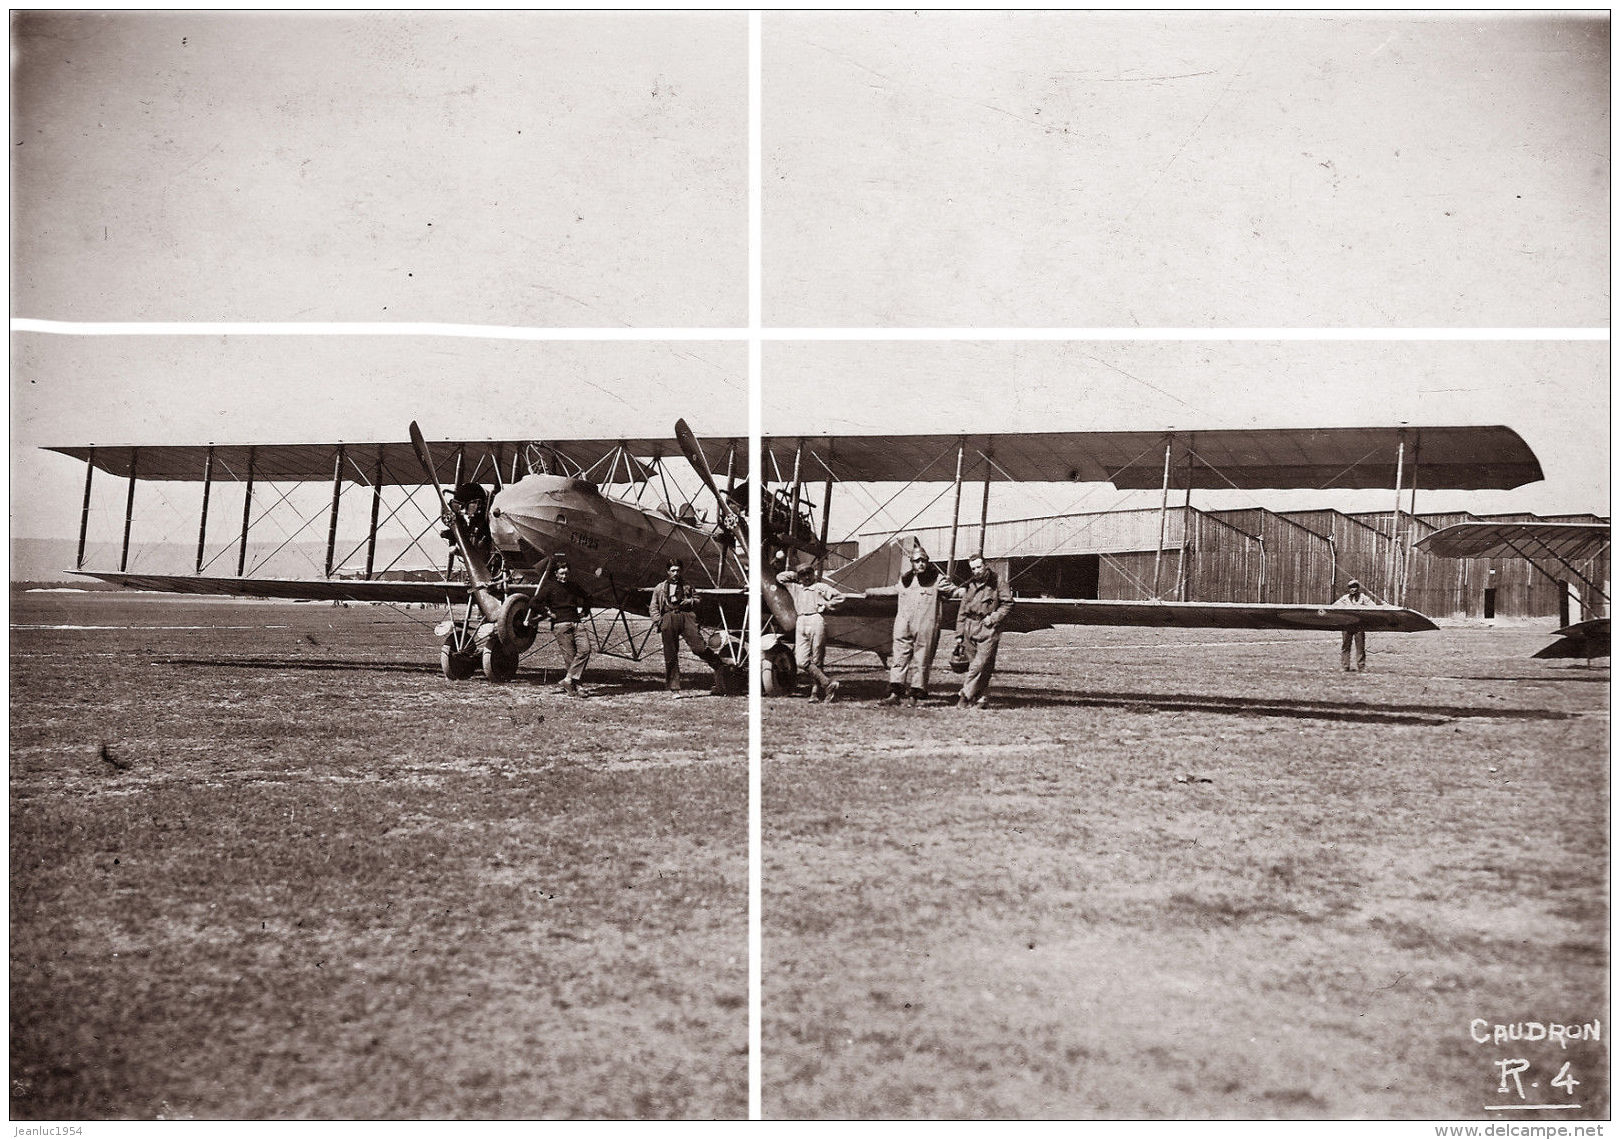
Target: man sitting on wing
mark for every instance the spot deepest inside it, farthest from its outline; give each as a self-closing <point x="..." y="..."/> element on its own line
<point x="568" y="605"/>
<point x="811" y="598"/>
<point x="672" y="611"/>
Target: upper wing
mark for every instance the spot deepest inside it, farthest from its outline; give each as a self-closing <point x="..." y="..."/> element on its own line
<point x="296" y="589"/>
<point x="1565" y="542"/>
<point x="383" y="464"/>
<point x="1447" y="458"/>
<point x="1030" y="614"/>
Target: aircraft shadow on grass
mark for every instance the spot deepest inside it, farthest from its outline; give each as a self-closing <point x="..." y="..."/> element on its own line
<point x="1008" y="697"/>
<point x="607" y="682"/>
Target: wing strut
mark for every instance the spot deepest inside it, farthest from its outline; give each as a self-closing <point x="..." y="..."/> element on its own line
<point x="84" y="514"/>
<point x="129" y="506"/>
<point x="331" y="526"/>
<point x="247" y="514"/>
<point x="1164" y="512"/>
<point x="1186" y="517"/>
<point x="202" y="516"/>
<point x="956" y="509"/>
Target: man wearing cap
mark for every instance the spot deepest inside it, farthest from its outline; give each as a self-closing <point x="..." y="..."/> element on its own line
<point x="672" y="610"/>
<point x="811" y="599"/>
<point x="922" y="591"/>
<point x="471" y="502"/>
<point x="1354" y="596"/>
<point x="568" y="604"/>
<point x="986" y="602"/>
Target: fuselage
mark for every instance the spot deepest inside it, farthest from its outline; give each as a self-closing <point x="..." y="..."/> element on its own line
<point x="611" y="547"/>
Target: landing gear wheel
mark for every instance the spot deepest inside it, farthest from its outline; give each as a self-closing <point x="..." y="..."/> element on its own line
<point x="456" y="666"/>
<point x="512" y="624"/>
<point x="500" y="665"/>
<point x="778" y="672"/>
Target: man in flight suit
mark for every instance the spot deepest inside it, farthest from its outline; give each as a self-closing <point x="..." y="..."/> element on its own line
<point x="986" y="602"/>
<point x="673" y="603"/>
<point x="921" y="591"/>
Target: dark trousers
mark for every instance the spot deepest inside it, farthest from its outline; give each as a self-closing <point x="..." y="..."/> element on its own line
<point x="1359" y="638"/>
<point x="672" y="628"/>
<point x="981" y="646"/>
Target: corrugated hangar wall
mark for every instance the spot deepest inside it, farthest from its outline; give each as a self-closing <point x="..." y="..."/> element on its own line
<point x="1257" y="555"/>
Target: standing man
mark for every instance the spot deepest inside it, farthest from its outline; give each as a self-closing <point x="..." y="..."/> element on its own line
<point x="922" y="592"/>
<point x="673" y="608"/>
<point x="986" y="602"/>
<point x="1354" y="634"/>
<point x="810" y="600"/>
<point x="568" y="604"/>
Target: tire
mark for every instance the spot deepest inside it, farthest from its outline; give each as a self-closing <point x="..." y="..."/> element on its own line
<point x="512" y="624"/>
<point x="456" y="666"/>
<point x="500" y="665"/>
<point x="778" y="671"/>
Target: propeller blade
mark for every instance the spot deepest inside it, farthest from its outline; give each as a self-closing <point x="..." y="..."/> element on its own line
<point x="477" y="568"/>
<point x="700" y="464"/>
<point x="425" y="458"/>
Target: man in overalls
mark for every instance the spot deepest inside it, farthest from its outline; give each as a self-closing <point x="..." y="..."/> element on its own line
<point x="922" y="591"/>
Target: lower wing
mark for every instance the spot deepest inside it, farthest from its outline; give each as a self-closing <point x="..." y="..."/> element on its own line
<point x="716" y="607"/>
<point x="863" y="621"/>
<point x="294" y="589"/>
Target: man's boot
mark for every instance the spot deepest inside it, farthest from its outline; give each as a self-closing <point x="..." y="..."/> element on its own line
<point x="897" y="693"/>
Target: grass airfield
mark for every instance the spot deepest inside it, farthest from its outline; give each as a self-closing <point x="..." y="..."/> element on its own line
<point x="1187" y="874"/>
<point x="316" y="880"/>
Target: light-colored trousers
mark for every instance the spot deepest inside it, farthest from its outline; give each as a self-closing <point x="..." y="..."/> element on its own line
<point x="810" y="646"/>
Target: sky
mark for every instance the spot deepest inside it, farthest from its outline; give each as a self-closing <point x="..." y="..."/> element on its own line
<point x="947" y="169"/>
<point x="496" y="168"/>
<point x="1185" y="169"/>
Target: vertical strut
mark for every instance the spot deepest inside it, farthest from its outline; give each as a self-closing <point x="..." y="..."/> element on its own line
<point x="247" y="515"/>
<point x="376" y="509"/>
<point x="956" y="510"/>
<point x="1164" y="514"/>
<point x="1393" y="587"/>
<point x="84" y="514"/>
<point x="1411" y="521"/>
<point x="984" y="504"/>
<point x="331" y="524"/>
<point x="129" y="506"/>
<point x="461" y="462"/>
<point x="1186" y="527"/>
<point x="793" y="499"/>
<point x="202" y="519"/>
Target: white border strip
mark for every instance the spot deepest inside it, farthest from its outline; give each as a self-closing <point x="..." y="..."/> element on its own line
<point x="756" y="331"/>
<point x="756" y="277"/>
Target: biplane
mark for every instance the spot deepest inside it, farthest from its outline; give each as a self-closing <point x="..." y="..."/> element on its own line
<point x="594" y="503"/>
<point x="1565" y="544"/>
<point x="1329" y="459"/>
